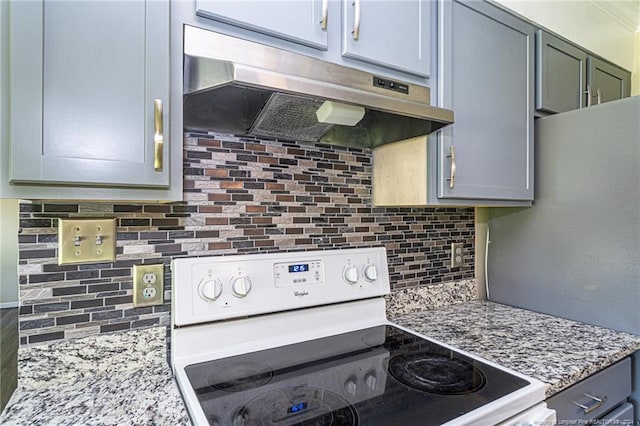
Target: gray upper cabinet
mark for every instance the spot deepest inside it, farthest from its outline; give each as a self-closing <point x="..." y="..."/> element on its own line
<point x="607" y="82"/>
<point x="90" y="93"/>
<point x="392" y="34"/>
<point x="388" y="33"/>
<point x="303" y="22"/>
<point x="486" y="76"/>
<point x="561" y="73"/>
<point x="569" y="77"/>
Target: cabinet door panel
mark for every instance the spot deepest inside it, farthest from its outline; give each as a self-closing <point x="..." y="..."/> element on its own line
<point x="394" y="34"/>
<point x="486" y="77"/>
<point x="294" y="20"/>
<point x="561" y="70"/>
<point x="84" y="92"/>
<point x="607" y="82"/>
<point x="79" y="100"/>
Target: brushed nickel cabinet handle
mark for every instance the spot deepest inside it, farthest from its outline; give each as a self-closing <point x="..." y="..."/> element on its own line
<point x="356" y="20"/>
<point x="158" y="134"/>
<point x="452" y="155"/>
<point x="325" y="14"/>
<point x="588" y="93"/>
<point x="590" y="409"/>
<point x="599" y="95"/>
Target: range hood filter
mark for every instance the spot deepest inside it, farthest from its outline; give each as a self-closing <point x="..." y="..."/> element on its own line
<point x="290" y="115"/>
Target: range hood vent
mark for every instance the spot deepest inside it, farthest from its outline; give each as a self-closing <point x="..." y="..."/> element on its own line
<point x="236" y="86"/>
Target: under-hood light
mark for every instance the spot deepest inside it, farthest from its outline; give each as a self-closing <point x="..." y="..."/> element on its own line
<point x="337" y="113"/>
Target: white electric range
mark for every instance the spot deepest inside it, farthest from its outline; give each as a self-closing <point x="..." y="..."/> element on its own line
<point x="302" y="338"/>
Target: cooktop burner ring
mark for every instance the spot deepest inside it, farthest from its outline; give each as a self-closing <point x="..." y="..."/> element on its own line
<point x="240" y="376"/>
<point x="436" y="373"/>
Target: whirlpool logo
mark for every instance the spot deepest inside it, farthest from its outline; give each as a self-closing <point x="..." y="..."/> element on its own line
<point x="301" y="293"/>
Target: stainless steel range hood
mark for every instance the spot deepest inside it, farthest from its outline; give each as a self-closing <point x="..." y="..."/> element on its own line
<point x="245" y="88"/>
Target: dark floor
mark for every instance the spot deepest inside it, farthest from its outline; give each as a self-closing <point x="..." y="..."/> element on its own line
<point x="8" y="353"/>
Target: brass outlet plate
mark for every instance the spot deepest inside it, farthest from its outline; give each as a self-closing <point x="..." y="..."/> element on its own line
<point x="457" y="255"/>
<point x="148" y="285"/>
<point x="83" y="240"/>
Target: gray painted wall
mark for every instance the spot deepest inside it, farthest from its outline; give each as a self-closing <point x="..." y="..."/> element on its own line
<point x="576" y="252"/>
<point x="8" y="253"/>
<point x="8" y="207"/>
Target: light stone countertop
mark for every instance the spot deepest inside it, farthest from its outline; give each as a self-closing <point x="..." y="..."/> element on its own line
<point x="556" y="351"/>
<point x="417" y="299"/>
<point x="124" y="378"/>
<point x="111" y="379"/>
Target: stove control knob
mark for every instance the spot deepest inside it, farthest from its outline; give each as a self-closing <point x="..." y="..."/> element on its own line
<point x="241" y="418"/>
<point x="350" y="274"/>
<point x="350" y="386"/>
<point x="370" y="380"/>
<point x="241" y="286"/>
<point x="210" y="290"/>
<point x="370" y="272"/>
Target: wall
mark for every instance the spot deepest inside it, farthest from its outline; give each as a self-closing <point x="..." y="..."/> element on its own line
<point x="588" y="25"/>
<point x="241" y="196"/>
<point x="4" y="86"/>
<point x="8" y="253"/>
<point x="635" y="77"/>
<point x="595" y="25"/>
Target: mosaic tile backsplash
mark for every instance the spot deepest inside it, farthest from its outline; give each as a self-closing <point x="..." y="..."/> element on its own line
<point x="240" y="196"/>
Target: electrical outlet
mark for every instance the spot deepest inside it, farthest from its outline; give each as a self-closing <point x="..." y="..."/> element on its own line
<point x="457" y="255"/>
<point x="148" y="285"/>
<point x="149" y="278"/>
<point x="84" y="240"/>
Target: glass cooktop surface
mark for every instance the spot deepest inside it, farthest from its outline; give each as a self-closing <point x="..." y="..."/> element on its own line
<point x="373" y="376"/>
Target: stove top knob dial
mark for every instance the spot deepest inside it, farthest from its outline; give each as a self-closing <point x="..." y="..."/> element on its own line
<point x="210" y="290"/>
<point x="241" y="419"/>
<point x="350" y="386"/>
<point x="241" y="286"/>
<point x="370" y="380"/>
<point x="370" y="273"/>
<point x="350" y="274"/>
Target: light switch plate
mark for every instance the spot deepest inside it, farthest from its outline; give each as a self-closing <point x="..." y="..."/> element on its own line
<point x="457" y="255"/>
<point x="84" y="240"/>
<point x="148" y="285"/>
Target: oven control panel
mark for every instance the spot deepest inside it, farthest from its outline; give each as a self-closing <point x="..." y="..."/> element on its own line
<point x="289" y="274"/>
<point x="223" y="287"/>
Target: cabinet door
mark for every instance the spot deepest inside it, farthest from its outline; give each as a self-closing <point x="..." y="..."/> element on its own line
<point x="613" y="382"/>
<point x="561" y="72"/>
<point x="394" y="34"/>
<point x="485" y="75"/>
<point x="607" y="82"/>
<point x="85" y="80"/>
<point x="304" y="22"/>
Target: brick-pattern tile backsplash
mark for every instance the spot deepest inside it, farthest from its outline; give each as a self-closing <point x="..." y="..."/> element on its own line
<point x="240" y="196"/>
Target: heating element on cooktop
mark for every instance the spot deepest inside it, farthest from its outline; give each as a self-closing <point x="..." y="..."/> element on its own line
<point x="403" y="379"/>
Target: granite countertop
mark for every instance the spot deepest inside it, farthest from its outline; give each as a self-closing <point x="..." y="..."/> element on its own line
<point x="124" y="378"/>
<point x="556" y="351"/>
<point x="113" y="379"/>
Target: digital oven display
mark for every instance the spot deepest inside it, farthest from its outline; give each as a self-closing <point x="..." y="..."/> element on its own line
<point x="300" y="267"/>
<point x="296" y="408"/>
